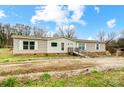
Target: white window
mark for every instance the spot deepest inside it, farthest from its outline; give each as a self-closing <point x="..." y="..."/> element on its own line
<point x="28" y="45"/>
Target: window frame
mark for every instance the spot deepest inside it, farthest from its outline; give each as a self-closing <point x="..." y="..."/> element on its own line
<point x="82" y="46"/>
<point x="25" y="45"/>
<point x="29" y="45"/>
<point x="54" y="45"/>
<point x="62" y="46"/>
<point x="97" y="46"/>
<point x="32" y="45"/>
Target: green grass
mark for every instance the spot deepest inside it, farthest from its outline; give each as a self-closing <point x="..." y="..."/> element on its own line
<point x="45" y="77"/>
<point x="113" y="78"/>
<point x="9" y="82"/>
<point x="6" y="56"/>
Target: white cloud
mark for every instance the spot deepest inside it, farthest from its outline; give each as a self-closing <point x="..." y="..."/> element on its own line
<point x="49" y="13"/>
<point x="2" y="14"/>
<point x="71" y="27"/>
<point x="59" y="14"/>
<point x="90" y="38"/>
<point x="97" y="9"/>
<point x="111" y="23"/>
<point x="78" y="12"/>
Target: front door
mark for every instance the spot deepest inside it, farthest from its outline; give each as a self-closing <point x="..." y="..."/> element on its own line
<point x="81" y="46"/>
<point x="62" y="46"/>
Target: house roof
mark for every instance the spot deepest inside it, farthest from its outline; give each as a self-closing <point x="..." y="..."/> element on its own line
<point x="37" y="38"/>
<point x="83" y="40"/>
<point x="52" y="38"/>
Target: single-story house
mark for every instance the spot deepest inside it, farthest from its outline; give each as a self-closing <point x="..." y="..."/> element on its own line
<point x="32" y="45"/>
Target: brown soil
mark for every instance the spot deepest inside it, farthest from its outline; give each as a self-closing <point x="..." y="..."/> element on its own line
<point x="43" y="66"/>
<point x="58" y="65"/>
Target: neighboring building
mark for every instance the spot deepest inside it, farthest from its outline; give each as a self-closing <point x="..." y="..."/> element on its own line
<point x="32" y="45"/>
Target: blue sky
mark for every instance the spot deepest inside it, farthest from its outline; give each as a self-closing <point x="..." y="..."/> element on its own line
<point x="86" y="20"/>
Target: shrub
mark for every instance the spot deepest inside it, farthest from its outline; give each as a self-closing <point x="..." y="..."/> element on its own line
<point x="111" y="50"/>
<point x="10" y="82"/>
<point x="45" y="77"/>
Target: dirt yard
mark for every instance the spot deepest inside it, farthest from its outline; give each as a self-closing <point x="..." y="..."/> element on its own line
<point x="73" y="66"/>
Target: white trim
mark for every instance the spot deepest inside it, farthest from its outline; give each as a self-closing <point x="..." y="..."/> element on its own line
<point x="99" y="46"/>
<point x="36" y="45"/>
<point x="85" y="46"/>
<point x="95" y="47"/>
<point x="20" y="44"/>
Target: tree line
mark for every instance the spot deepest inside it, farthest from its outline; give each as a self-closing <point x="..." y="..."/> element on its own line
<point x="112" y="40"/>
<point x="7" y="30"/>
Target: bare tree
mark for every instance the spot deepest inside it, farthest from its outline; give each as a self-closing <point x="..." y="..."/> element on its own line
<point x="110" y="37"/>
<point x="70" y="33"/>
<point x="65" y="31"/>
<point x="27" y="30"/>
<point x="101" y="36"/>
<point x="21" y="29"/>
<point x="8" y="33"/>
<point x="39" y="32"/>
<point x="2" y="36"/>
<point x="56" y="35"/>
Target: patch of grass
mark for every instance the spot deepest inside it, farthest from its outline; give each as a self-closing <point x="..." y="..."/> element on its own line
<point x="45" y="77"/>
<point x="6" y="56"/>
<point x="6" y="60"/>
<point x="113" y="78"/>
<point x="51" y="83"/>
<point x="10" y="82"/>
<point x="27" y="82"/>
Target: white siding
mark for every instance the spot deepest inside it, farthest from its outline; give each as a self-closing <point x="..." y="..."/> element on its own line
<point x="20" y="45"/>
<point x="40" y="46"/>
<point x="91" y="47"/>
<point x="36" y="45"/>
<point x="85" y="46"/>
<point x="67" y="43"/>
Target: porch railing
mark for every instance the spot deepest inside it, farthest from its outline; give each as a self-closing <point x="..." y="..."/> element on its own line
<point x="71" y="50"/>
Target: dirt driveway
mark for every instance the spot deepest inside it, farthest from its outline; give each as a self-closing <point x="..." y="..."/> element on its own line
<point x="37" y="66"/>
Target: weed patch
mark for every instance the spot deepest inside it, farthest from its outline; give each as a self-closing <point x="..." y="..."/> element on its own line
<point x="45" y="77"/>
<point x="10" y="82"/>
